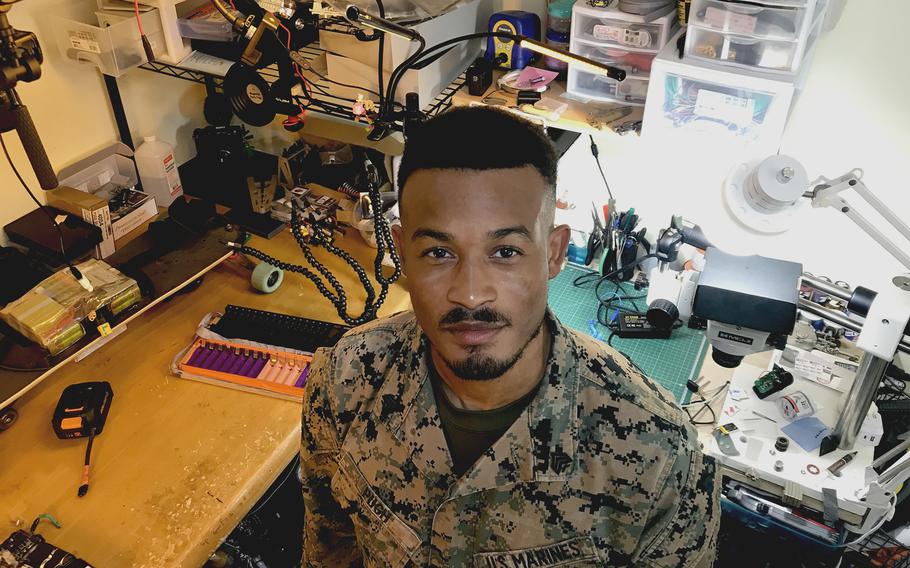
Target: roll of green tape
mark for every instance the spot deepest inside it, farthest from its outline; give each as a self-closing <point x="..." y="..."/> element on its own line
<point x="266" y="278"/>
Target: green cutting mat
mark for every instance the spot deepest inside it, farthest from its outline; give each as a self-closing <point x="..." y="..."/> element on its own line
<point x="670" y="362"/>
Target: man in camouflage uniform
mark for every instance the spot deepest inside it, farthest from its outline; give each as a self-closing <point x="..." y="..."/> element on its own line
<point x="477" y="430"/>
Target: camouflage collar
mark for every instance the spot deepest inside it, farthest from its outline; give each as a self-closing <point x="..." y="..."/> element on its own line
<point x="539" y="446"/>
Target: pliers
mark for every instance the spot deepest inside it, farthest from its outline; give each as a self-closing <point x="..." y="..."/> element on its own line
<point x="596" y="238"/>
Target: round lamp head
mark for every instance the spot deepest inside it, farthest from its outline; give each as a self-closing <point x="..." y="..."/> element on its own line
<point x="766" y="195"/>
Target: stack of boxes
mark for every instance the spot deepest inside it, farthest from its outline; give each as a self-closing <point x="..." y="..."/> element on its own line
<point x="744" y="64"/>
<point x="617" y="38"/>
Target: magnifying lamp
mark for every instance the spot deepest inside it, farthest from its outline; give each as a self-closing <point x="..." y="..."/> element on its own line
<point x="769" y="195"/>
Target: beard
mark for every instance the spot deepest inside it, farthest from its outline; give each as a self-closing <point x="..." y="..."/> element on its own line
<point x="478" y="366"/>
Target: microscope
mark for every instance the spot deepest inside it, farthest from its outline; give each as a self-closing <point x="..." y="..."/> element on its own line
<point x="749" y="302"/>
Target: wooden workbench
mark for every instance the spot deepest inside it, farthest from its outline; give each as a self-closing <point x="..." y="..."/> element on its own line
<point x="179" y="462"/>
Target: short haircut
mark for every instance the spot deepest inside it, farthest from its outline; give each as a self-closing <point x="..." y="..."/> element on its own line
<point x="478" y="138"/>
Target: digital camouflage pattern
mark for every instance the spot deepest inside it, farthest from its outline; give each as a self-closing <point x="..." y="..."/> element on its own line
<point x="601" y="469"/>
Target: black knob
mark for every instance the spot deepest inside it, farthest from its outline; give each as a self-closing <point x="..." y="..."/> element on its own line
<point x="662" y="314"/>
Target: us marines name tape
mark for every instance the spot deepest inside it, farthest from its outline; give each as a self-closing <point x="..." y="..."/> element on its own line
<point x="557" y="554"/>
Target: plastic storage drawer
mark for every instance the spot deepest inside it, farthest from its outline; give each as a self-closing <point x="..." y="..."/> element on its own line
<point x="634" y="63"/>
<point x="115" y="47"/>
<point x="599" y="26"/>
<point x="758" y="21"/>
<point x="693" y="103"/>
<point x="596" y="87"/>
<point x="749" y="52"/>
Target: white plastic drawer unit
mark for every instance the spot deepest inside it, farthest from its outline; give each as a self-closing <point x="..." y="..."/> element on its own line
<point x="600" y="26"/>
<point x="769" y="38"/>
<point x="634" y="63"/>
<point x="758" y="21"/>
<point x="702" y="106"/>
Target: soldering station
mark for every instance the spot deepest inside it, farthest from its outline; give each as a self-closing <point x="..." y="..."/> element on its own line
<point x="278" y="203"/>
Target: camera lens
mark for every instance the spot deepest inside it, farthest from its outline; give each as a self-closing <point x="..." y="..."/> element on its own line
<point x="725" y="359"/>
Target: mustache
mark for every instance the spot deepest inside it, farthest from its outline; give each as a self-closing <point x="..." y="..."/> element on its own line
<point x="485" y="315"/>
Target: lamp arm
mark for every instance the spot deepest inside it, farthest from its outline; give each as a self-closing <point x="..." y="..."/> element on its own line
<point x="827" y="194"/>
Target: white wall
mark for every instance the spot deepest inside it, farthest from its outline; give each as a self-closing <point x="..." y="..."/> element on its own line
<point x="852" y="113"/>
<point x="71" y="111"/>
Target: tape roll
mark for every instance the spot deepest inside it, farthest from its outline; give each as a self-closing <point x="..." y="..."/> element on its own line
<point x="266" y="278"/>
<point x="249" y="94"/>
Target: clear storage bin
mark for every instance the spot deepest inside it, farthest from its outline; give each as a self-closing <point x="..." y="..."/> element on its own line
<point x="693" y="102"/>
<point x="634" y="63"/>
<point x="758" y="21"/>
<point x="610" y="26"/>
<point x="768" y="38"/>
<point x="113" y="45"/>
<point x="596" y="87"/>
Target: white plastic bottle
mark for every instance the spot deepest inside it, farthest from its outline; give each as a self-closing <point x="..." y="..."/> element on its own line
<point x="158" y="170"/>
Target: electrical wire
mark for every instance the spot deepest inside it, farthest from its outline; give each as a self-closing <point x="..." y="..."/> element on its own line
<point x="339" y="299"/>
<point x="277" y="486"/>
<point x="596" y="153"/>
<point x="380" y="59"/>
<point x="138" y="19"/>
<point x="877" y="526"/>
<point x="73" y="270"/>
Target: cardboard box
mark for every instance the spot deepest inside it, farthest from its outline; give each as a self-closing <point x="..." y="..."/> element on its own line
<point x="92" y="209"/>
<point x="100" y="176"/>
<point x="132" y="211"/>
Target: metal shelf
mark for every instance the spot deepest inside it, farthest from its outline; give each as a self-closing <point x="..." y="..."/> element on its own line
<point x="326" y="97"/>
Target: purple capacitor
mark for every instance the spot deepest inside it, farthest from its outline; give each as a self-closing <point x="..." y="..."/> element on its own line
<point x="236" y="363"/>
<point x="223" y="356"/>
<point x="248" y="361"/>
<point x="197" y="354"/>
<point x="255" y="369"/>
<point x="206" y="360"/>
<point x="301" y="380"/>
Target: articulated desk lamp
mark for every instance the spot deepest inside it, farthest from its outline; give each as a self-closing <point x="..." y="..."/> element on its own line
<point x="387" y="117"/>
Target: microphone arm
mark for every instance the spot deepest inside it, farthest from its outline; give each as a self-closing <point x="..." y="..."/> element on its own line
<point x="20" y="60"/>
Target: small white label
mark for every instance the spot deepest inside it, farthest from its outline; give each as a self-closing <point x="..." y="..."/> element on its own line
<point x="173" y="176"/>
<point x="813" y="369"/>
<point x="727" y="108"/>
<point x="59" y="219"/>
<point x="730" y="21"/>
<point x="84" y="41"/>
<point x="611" y="33"/>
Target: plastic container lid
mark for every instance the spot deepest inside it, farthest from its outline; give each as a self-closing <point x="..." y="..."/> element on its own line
<point x="560" y="9"/>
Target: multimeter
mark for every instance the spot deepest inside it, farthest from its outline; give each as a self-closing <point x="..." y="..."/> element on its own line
<point x="82" y="410"/>
<point x="517" y="22"/>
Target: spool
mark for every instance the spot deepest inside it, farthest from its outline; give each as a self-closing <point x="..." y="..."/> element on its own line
<point x="266" y="278"/>
<point x="782" y="444"/>
<point x="249" y="94"/>
<point x="796" y="405"/>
